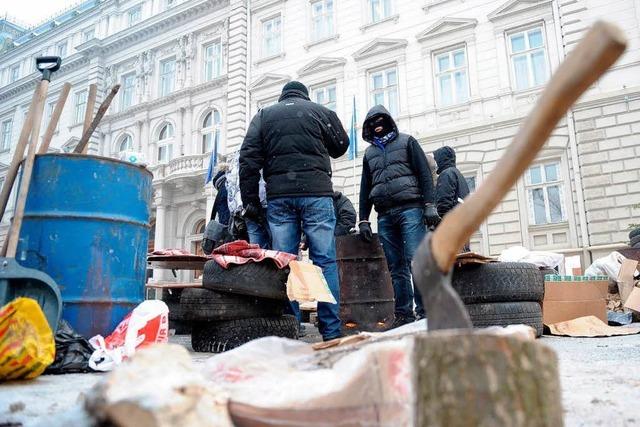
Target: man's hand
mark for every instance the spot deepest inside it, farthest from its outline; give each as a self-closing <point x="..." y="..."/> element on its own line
<point x="365" y="231"/>
<point x="252" y="212"/>
<point x="430" y="215"/>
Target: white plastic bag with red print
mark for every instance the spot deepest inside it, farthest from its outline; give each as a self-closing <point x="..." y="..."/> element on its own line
<point x="147" y="324"/>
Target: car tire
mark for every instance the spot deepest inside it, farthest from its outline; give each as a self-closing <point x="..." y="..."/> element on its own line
<point x="634" y="241"/>
<point x="507" y="313"/>
<point x="258" y="279"/>
<point x="498" y="282"/>
<point x="204" y="305"/>
<point x="634" y="233"/>
<point x="217" y="337"/>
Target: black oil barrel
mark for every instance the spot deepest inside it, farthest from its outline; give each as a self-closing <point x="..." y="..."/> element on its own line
<point x="366" y="293"/>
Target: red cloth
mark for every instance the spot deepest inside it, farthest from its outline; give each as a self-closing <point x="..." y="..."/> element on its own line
<point x="242" y="252"/>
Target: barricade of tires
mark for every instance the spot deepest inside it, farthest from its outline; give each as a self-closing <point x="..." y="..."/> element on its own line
<point x="502" y="293"/>
<point x="634" y="238"/>
<point x="234" y="306"/>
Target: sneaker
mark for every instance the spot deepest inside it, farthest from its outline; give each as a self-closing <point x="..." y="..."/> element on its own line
<point x="401" y="320"/>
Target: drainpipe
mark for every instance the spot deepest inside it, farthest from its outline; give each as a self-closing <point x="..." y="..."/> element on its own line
<point x="573" y="146"/>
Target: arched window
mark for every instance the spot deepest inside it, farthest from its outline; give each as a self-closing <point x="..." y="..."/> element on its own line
<point x="126" y="144"/>
<point x="211" y="131"/>
<point x="165" y="143"/>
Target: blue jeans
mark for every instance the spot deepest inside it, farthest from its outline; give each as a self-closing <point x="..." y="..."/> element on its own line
<point x="400" y="232"/>
<point x="315" y="216"/>
<point x="258" y="233"/>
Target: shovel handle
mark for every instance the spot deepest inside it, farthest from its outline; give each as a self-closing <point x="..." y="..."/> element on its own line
<point x="597" y="51"/>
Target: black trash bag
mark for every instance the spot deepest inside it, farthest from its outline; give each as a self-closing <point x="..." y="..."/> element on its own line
<point x="72" y="352"/>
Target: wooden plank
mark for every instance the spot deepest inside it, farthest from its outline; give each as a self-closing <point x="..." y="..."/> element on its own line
<point x="173" y="285"/>
<point x="177" y="265"/>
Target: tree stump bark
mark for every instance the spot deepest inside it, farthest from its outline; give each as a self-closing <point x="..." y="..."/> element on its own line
<point x="467" y="379"/>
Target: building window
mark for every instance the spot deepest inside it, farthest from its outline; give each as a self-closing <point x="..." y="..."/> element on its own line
<point x="88" y="34"/>
<point x="384" y="89"/>
<point x="61" y="49"/>
<point x="80" y="106"/>
<point x="212" y="61"/>
<point x="471" y="183"/>
<point x="271" y="37"/>
<point x="14" y="73"/>
<point x="128" y="90"/>
<point x="452" y="77"/>
<point x="545" y="194"/>
<point x="165" y="146"/>
<point x="325" y="96"/>
<point x="211" y="131"/>
<point x="321" y="19"/>
<point x="49" y="113"/>
<point x="134" y="16"/>
<point x="126" y="144"/>
<point x="528" y="58"/>
<point x="167" y="76"/>
<point x="379" y="10"/>
<point x="5" y="135"/>
<point x="70" y="146"/>
<point x="168" y="4"/>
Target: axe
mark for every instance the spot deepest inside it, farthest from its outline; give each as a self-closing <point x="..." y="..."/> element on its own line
<point x="433" y="261"/>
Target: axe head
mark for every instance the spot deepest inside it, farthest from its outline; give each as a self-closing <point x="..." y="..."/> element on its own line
<point x="442" y="304"/>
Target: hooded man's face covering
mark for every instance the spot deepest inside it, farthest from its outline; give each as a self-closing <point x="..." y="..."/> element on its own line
<point x="381" y="127"/>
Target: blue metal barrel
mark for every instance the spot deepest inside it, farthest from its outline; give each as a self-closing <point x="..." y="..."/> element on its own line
<point x="86" y="224"/>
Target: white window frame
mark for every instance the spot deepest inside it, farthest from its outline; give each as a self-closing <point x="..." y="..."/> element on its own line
<point x="544" y="185"/>
<point x="214" y="131"/>
<point x="372" y="5"/>
<point x="528" y="53"/>
<point x="213" y="65"/>
<point x="386" y="88"/>
<point x="126" y="138"/>
<point x="62" y="48"/>
<point x="451" y="72"/>
<point x="14" y="73"/>
<point x="134" y="15"/>
<point x="165" y="144"/>
<point x="80" y="106"/>
<point x="6" y="134"/>
<point x="49" y="108"/>
<point x="127" y="98"/>
<point x="167" y="84"/>
<point x="324" y="91"/>
<point x="263" y="34"/>
<point x="88" y="33"/>
<point x="327" y="19"/>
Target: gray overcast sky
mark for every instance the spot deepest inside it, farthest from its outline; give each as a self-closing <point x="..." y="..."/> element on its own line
<point x="31" y="12"/>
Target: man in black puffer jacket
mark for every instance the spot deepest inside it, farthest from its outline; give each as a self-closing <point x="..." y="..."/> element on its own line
<point x="451" y="187"/>
<point x="292" y="142"/>
<point x="397" y="181"/>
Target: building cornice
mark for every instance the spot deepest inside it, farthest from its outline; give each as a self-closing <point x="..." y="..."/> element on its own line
<point x="445" y="26"/>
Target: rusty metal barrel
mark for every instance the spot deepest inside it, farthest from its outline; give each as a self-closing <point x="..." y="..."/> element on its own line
<point x="366" y="292"/>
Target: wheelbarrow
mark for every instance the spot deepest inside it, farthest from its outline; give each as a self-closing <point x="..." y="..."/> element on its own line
<point x="15" y="280"/>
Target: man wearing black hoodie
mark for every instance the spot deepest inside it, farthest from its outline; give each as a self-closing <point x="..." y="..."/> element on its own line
<point x="397" y="181"/>
<point x="292" y="142"/>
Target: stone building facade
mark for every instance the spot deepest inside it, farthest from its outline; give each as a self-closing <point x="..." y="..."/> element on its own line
<point x="453" y="72"/>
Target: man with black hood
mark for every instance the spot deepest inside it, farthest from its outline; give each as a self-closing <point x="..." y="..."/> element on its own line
<point x="397" y="181"/>
<point x="451" y="187"/>
<point x="292" y="143"/>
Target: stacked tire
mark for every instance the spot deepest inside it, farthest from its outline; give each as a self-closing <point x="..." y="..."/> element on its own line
<point x="235" y="305"/>
<point x="502" y="293"/>
<point x="634" y="238"/>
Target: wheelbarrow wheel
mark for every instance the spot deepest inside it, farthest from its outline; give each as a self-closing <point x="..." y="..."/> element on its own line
<point x="217" y="337"/>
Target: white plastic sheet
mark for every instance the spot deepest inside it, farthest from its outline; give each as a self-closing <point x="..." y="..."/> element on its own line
<point x="606" y="266"/>
<point x="539" y="258"/>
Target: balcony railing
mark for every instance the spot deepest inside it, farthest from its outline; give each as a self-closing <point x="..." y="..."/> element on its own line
<point x="191" y="165"/>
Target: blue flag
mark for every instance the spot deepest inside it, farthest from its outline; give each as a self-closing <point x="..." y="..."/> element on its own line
<point x="212" y="162"/>
<point x="353" y="134"/>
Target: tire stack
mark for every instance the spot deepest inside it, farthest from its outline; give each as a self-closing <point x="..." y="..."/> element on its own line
<point x="234" y="306"/>
<point x="634" y="238"/>
<point x="501" y="293"/>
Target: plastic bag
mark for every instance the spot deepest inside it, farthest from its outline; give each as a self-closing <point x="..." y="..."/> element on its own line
<point x="26" y="341"/>
<point x="538" y="258"/>
<point x="72" y="352"/>
<point x="147" y="324"/>
<point x="606" y="266"/>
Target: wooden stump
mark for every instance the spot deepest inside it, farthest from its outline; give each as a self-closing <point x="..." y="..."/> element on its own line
<point x="465" y="379"/>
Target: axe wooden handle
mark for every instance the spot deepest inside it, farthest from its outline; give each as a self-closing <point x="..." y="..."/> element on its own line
<point x="597" y="51"/>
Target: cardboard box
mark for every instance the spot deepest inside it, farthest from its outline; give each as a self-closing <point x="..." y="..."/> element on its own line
<point x="570" y="297"/>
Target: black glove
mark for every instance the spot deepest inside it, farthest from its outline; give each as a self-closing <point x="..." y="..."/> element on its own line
<point x="365" y="231"/>
<point x="430" y="215"/>
<point x="252" y="212"/>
